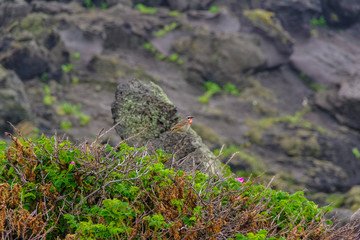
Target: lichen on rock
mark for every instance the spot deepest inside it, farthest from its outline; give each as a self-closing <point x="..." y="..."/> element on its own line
<point x="142" y="105"/>
<point x="142" y="108"/>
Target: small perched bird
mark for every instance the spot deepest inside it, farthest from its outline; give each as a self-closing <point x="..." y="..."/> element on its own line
<point x="182" y="126"/>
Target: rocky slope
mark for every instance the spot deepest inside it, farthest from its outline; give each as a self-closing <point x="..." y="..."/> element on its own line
<point x="294" y="64"/>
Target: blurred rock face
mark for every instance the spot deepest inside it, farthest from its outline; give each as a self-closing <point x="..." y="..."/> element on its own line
<point x="14" y="105"/>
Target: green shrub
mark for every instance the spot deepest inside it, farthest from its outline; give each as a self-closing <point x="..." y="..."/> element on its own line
<point x="144" y="9"/>
<point x="212" y="88"/>
<point x="319" y="22"/>
<point x="52" y="188"/>
<point x="231" y="89"/>
<point x="67" y="67"/>
<point x="214" y="9"/>
<point x="166" y="29"/>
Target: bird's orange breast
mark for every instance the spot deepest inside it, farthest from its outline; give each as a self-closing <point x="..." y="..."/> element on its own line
<point x="190" y="121"/>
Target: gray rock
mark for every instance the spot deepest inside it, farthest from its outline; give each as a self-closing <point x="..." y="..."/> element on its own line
<point x="220" y="58"/>
<point x="341" y="13"/>
<point x="27" y="60"/>
<point x="143" y="108"/>
<point x="339" y="216"/>
<point x="295" y="16"/>
<point x="355" y="220"/>
<point x="138" y="106"/>
<point x="276" y="42"/>
<point x="14" y="105"/>
<point x="11" y="11"/>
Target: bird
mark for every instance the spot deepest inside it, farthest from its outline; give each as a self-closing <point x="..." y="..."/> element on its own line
<point x="183" y="125"/>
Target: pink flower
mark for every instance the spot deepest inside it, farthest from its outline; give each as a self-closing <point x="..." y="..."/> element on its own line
<point x="240" y="179"/>
<point x="73" y="163"/>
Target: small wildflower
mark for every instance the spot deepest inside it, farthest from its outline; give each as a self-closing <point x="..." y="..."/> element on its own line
<point x="240" y="179"/>
<point x="73" y="163"/>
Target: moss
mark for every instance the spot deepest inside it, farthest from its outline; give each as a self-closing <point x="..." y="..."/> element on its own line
<point x="336" y="200"/>
<point x="295" y="145"/>
<point x="207" y="134"/>
<point x="255" y="132"/>
<point x="292" y="145"/>
<point x="158" y="92"/>
<point x="34" y="23"/>
<point x="113" y="68"/>
<point x="255" y="91"/>
<point x="265" y="20"/>
<point x="143" y="106"/>
<point x="352" y="199"/>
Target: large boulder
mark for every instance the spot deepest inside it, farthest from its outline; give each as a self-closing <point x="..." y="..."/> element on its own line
<point x="142" y="110"/>
<point x="220" y="58"/>
<point x="295" y="16"/>
<point x="14" y="105"/>
<point x="334" y="61"/>
<point x="341" y="13"/>
<point x="344" y="103"/>
<point x="11" y="11"/>
<point x="26" y="61"/>
<point x="276" y="42"/>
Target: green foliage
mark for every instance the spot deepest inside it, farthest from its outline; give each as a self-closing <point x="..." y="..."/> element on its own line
<point x="144" y="9"/>
<point x="356" y="152"/>
<point x="65" y="125"/>
<point x="48" y="98"/>
<point x="67" y="67"/>
<point x="260" y="235"/>
<point x="44" y="76"/>
<point x="316" y="87"/>
<point x="89" y="3"/>
<point x="166" y="29"/>
<point x="76" y="55"/>
<point x="174" y="13"/>
<point x="103" y="5"/>
<point x="231" y="89"/>
<point x="319" y="22"/>
<point x="214" y="9"/>
<point x="212" y="88"/>
<point x="94" y="191"/>
<point x="69" y="109"/>
<point x="75" y="80"/>
<point x="161" y="57"/>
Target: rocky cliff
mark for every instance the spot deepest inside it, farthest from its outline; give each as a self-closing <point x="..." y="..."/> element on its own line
<point x="284" y="78"/>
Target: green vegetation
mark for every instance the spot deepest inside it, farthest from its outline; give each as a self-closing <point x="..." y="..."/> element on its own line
<point x="214" y="9"/>
<point x="48" y="98"/>
<point x="75" y="80"/>
<point x="356" y="152"/>
<point x="44" y="76"/>
<point x="91" y="4"/>
<point x="212" y="88"/>
<point x="319" y="22"/>
<point x="166" y="29"/>
<point x="103" y="5"/>
<point x="67" y="67"/>
<point x="231" y="89"/>
<point x="257" y="167"/>
<point x="76" y="55"/>
<point x="69" y="109"/>
<point x="65" y="125"/>
<point x="174" y="13"/>
<point x="53" y="189"/>
<point x="316" y="87"/>
<point x="161" y="57"/>
<point x="144" y="9"/>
